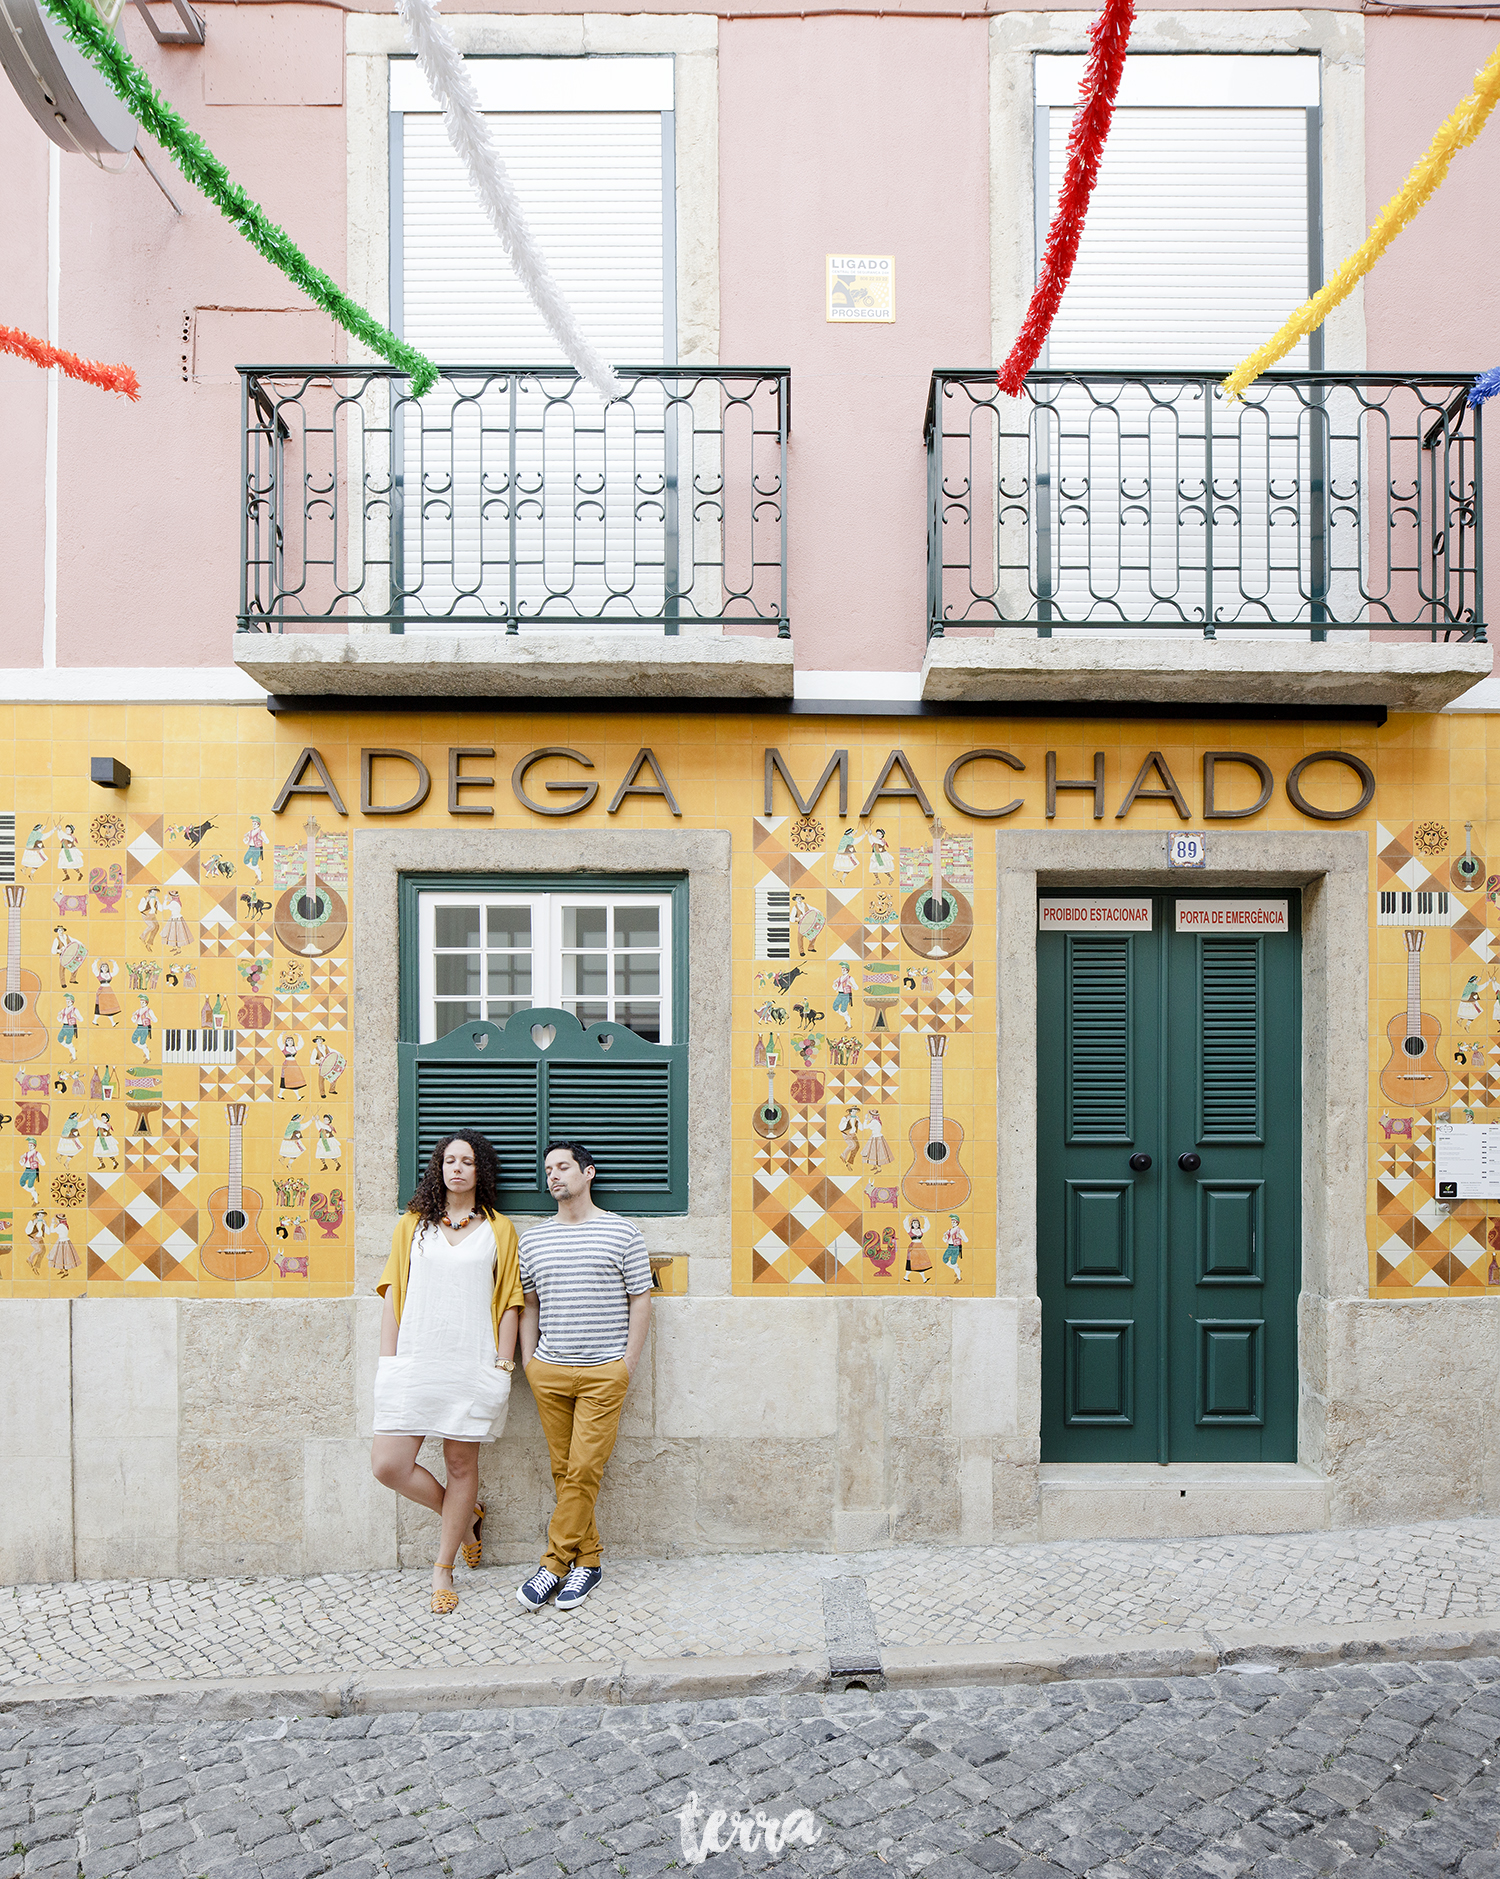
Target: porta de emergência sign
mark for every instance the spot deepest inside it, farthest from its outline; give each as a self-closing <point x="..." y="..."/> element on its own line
<point x="394" y="782"/>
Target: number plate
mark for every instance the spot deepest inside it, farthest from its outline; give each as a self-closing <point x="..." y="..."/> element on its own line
<point x="1187" y="849"/>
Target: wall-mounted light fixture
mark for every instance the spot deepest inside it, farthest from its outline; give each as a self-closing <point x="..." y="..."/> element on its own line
<point x="109" y="773"/>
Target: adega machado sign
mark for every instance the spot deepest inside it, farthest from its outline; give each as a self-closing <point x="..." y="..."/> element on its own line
<point x="982" y="783"/>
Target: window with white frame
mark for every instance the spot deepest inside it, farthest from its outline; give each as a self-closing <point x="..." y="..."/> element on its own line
<point x="526" y="497"/>
<point x="588" y="147"/>
<point x="602" y="956"/>
<point x="1202" y="232"/>
<point x="1203" y="227"/>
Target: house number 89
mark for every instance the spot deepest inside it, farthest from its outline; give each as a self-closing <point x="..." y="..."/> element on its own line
<point x="1189" y="850"/>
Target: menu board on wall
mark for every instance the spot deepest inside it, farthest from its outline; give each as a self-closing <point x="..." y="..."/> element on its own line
<point x="1468" y="1161"/>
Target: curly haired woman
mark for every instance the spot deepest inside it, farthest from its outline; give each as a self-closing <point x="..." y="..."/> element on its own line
<point x="452" y="1291"/>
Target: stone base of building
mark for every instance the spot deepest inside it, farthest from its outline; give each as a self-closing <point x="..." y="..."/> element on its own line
<point x="178" y="1438"/>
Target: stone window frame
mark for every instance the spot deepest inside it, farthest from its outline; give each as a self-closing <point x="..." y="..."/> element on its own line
<point x="381" y="857"/>
<point x="1332" y="871"/>
<point x="692" y="41"/>
<point x="1338" y="39"/>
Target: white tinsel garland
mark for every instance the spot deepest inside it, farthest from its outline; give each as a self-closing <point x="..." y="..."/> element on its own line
<point x="442" y="66"/>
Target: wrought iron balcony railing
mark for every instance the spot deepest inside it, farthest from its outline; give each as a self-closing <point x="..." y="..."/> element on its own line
<point x="513" y="498"/>
<point x="1125" y="502"/>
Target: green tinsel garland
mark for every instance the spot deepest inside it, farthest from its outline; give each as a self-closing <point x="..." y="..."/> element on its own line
<point x="202" y="168"/>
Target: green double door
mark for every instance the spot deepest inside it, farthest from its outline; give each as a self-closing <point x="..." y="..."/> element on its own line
<point x="1168" y="1191"/>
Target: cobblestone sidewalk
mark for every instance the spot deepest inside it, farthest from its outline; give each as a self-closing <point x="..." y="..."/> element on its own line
<point x="747" y="1605"/>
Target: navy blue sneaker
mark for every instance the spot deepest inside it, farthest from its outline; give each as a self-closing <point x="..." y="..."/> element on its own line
<point x="538" y="1589"/>
<point x="577" y="1586"/>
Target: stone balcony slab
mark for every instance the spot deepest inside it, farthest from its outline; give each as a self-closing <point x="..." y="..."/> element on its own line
<point x="531" y="665"/>
<point x="1074" y="667"/>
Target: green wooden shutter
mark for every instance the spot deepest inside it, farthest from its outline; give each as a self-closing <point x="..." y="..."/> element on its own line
<point x="622" y="1113"/>
<point x="501" y="1100"/>
<point x="543" y="1075"/>
<point x="1229" y="1001"/>
<point x="1098" y="1043"/>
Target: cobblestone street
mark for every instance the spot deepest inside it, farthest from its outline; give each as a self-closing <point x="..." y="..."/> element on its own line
<point x="1384" y="1771"/>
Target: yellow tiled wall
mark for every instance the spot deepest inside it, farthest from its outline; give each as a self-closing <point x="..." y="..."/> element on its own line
<point x="817" y="1207"/>
<point x="117" y="1148"/>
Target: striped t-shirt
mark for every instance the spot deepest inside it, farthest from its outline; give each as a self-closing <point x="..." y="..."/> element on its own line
<point x="582" y="1276"/>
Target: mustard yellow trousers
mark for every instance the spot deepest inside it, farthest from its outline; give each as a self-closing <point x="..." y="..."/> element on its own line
<point x="579" y="1405"/>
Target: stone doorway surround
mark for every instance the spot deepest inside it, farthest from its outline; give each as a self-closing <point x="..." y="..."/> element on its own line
<point x="1331" y="869"/>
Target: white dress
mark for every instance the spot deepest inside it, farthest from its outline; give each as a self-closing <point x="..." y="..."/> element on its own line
<point x="442" y="1380"/>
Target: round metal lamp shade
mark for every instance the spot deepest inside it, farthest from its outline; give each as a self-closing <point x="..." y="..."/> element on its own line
<point x="58" y="86"/>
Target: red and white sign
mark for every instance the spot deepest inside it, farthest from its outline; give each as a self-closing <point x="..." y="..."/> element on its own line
<point x="1059" y="913"/>
<point x="1232" y="916"/>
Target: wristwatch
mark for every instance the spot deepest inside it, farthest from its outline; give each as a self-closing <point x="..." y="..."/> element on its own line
<point x="505" y="1363"/>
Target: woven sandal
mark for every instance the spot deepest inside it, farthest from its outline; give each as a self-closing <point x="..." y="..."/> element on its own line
<point x="469" y="1551"/>
<point x="445" y="1600"/>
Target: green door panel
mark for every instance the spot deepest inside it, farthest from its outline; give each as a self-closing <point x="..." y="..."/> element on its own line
<point x="1168" y="1293"/>
<point x="1231" y="1367"/>
<point x="1230" y="1232"/>
<point x="1100" y="1373"/>
<point x="1098" y="1247"/>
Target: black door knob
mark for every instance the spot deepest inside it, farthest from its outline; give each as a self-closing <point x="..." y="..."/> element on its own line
<point x="1190" y="1163"/>
<point x="1140" y="1163"/>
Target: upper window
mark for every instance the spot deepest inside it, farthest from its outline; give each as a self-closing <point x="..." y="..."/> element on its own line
<point x="1203" y="227"/>
<point x="522" y="496"/>
<point x="601" y="956"/>
<point x="587" y="144"/>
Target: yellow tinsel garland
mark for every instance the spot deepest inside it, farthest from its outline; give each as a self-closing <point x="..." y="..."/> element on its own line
<point x="1460" y="129"/>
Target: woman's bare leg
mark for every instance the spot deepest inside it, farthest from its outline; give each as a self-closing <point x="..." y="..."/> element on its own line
<point x="461" y="1460"/>
<point x="393" y="1461"/>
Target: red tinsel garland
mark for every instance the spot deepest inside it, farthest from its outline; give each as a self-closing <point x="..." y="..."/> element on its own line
<point x="1110" y="35"/>
<point x="107" y="377"/>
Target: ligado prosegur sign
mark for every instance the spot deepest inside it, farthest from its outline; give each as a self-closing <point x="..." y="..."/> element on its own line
<point x="862" y="289"/>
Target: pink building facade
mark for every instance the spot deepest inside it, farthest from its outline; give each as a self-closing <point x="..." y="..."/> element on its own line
<point x="864" y="130"/>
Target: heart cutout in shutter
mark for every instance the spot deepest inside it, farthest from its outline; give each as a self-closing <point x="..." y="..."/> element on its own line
<point x="606" y="1040"/>
<point x="481" y="1039"/>
<point x="543" y="1034"/>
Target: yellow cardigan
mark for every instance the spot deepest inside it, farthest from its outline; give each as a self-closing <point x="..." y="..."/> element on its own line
<point x="507" y="1267"/>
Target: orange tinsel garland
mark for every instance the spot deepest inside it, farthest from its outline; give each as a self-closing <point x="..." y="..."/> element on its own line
<point x="107" y="377"/>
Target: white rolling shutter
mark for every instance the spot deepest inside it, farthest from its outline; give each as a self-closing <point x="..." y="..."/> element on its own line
<point x="1196" y="244"/>
<point x="590" y="183"/>
<point x="1195" y="248"/>
<point x="585" y="155"/>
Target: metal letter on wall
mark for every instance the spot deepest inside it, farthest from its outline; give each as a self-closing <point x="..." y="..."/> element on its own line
<point x="294" y="786"/>
<point x="950" y="777"/>
<point x="1211" y="760"/>
<point x="1055" y="783"/>
<point x="366" y="769"/>
<point x="582" y="793"/>
<point x="806" y="804"/>
<point x="1360" y="768"/>
<point x="458" y="781"/>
